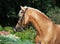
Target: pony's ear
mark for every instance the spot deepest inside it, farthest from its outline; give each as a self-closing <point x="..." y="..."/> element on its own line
<point x="22" y="8"/>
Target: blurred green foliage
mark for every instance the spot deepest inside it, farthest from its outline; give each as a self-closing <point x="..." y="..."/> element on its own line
<point x="54" y="14"/>
<point x="25" y="37"/>
<point x="12" y="39"/>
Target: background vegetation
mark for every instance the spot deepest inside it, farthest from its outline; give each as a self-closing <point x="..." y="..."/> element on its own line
<point x="9" y="10"/>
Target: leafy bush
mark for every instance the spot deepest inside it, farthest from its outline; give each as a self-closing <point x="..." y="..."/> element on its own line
<point x="12" y="39"/>
<point x="54" y="14"/>
<point x="25" y="37"/>
<point x="9" y="39"/>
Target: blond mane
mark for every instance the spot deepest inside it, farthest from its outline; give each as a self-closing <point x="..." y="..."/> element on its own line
<point x="33" y="9"/>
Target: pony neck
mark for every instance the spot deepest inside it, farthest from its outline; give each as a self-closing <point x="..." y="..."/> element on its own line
<point x="40" y="21"/>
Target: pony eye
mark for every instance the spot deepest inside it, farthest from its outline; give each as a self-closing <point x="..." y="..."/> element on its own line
<point x="19" y="17"/>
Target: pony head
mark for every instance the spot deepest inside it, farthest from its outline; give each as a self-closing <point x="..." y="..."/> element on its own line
<point x="23" y="19"/>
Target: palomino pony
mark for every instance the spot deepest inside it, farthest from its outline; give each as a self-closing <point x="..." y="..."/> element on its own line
<point x="46" y="31"/>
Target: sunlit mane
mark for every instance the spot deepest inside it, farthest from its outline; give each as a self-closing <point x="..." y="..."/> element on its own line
<point x="38" y="11"/>
<point x="33" y="9"/>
